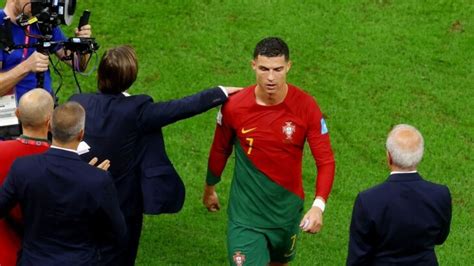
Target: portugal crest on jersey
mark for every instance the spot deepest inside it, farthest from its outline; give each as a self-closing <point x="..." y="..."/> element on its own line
<point x="239" y="258"/>
<point x="289" y="129"/>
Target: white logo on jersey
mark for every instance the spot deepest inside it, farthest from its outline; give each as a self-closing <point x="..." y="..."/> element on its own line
<point x="324" y="127"/>
<point x="289" y="129"/>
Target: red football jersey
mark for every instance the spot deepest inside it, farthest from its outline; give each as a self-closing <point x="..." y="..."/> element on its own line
<point x="10" y="241"/>
<point x="273" y="139"/>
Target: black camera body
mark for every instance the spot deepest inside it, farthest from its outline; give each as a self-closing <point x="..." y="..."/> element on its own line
<point x="52" y="13"/>
<point x="48" y="14"/>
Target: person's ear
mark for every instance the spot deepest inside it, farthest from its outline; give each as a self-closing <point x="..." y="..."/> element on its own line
<point x="254" y="65"/>
<point x="80" y="136"/>
<point x="288" y="66"/>
<point x="48" y="122"/>
<point x="17" y="113"/>
<point x="389" y="159"/>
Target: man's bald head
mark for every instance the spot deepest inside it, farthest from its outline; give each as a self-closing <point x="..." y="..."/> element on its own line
<point x="405" y="145"/>
<point x="35" y="108"/>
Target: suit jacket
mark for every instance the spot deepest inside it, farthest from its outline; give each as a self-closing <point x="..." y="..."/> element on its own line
<point x="127" y="131"/>
<point x="399" y="222"/>
<point x="69" y="208"/>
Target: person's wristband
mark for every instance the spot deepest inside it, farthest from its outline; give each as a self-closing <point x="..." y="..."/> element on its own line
<point x="319" y="203"/>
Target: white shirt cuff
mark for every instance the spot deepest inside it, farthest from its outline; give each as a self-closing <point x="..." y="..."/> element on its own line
<point x="225" y="92"/>
<point x="320" y="204"/>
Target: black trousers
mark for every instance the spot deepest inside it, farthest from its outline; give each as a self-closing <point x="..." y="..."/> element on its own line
<point x="124" y="255"/>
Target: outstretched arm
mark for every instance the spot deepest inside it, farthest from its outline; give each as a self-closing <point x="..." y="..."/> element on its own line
<point x="84" y="32"/>
<point x="160" y="114"/>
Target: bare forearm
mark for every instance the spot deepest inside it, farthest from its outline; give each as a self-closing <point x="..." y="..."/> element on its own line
<point x="84" y="61"/>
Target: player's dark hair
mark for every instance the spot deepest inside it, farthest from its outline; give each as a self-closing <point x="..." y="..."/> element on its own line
<point x="118" y="70"/>
<point x="272" y="47"/>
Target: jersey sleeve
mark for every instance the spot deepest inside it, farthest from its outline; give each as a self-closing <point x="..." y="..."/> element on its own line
<point x="221" y="147"/>
<point x="320" y="145"/>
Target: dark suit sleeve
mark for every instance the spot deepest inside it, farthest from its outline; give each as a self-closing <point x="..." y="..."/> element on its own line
<point x="156" y="115"/>
<point x="8" y="195"/>
<point x="111" y="213"/>
<point x="447" y="211"/>
<point x="361" y="235"/>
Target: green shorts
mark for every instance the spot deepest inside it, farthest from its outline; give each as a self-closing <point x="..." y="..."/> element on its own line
<point x="259" y="246"/>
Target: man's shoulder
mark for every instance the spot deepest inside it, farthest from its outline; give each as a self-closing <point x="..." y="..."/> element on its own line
<point x="23" y="163"/>
<point x="374" y="191"/>
<point x="238" y="100"/>
<point x="93" y="98"/>
<point x="8" y="143"/>
<point x="388" y="189"/>
<point x="435" y="187"/>
<point x="301" y="96"/>
<point x="95" y="176"/>
<point x="88" y="174"/>
<point x="14" y="148"/>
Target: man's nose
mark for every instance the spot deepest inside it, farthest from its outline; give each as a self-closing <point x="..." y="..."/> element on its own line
<point x="271" y="75"/>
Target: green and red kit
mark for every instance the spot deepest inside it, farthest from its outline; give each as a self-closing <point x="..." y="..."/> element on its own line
<point x="267" y="190"/>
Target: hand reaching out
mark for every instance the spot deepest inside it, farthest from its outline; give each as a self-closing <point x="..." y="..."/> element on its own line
<point x="104" y="165"/>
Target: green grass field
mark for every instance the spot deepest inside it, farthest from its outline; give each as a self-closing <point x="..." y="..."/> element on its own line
<point x="369" y="63"/>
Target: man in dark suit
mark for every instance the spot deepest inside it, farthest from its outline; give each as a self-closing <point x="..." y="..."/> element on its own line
<point x="401" y="220"/>
<point x="70" y="208"/>
<point x="128" y="131"/>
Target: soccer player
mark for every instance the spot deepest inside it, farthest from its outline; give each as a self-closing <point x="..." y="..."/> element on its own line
<point x="268" y="124"/>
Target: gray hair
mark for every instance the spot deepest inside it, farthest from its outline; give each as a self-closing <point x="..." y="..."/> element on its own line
<point x="67" y="122"/>
<point x="35" y="108"/>
<point x="405" y="145"/>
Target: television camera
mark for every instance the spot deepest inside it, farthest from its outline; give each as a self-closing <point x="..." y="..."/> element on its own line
<point x="48" y="14"/>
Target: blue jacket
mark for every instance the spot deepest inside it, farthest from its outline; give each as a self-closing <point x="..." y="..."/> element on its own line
<point x="69" y="208"/>
<point x="127" y="131"/>
<point x="399" y="222"/>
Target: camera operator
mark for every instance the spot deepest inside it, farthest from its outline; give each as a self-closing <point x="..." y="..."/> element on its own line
<point x="17" y="70"/>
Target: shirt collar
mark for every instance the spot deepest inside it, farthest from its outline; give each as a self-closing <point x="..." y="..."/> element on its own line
<point x="31" y="138"/>
<point x="400" y="176"/>
<point x="64" y="149"/>
<point x="403" y="172"/>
